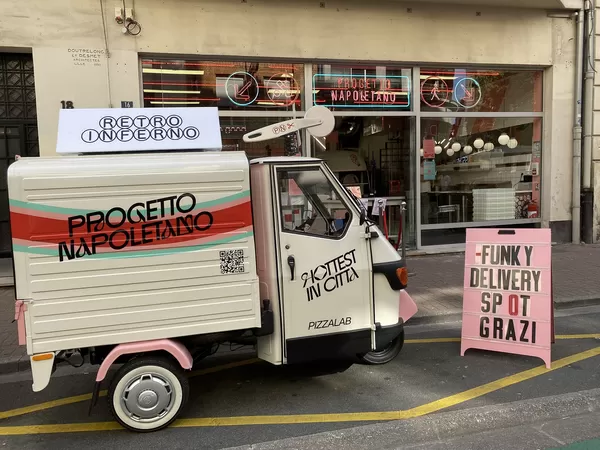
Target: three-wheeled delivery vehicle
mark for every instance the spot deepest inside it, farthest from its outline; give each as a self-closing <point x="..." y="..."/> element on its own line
<point x="129" y="252"/>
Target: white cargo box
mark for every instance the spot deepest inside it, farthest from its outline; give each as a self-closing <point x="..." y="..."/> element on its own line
<point x="124" y="248"/>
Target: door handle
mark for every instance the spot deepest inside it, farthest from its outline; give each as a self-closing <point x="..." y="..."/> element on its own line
<point x="292" y="263"/>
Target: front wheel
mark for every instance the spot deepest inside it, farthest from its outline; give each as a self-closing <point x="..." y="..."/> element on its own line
<point x="147" y="394"/>
<point x="385" y="354"/>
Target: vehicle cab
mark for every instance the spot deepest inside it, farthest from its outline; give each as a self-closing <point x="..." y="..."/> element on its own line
<point x="339" y="281"/>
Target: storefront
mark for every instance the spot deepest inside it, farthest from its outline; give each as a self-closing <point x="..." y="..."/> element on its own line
<point x="463" y="111"/>
<point x="461" y="146"/>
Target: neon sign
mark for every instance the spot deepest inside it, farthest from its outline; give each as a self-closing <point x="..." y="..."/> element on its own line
<point x="361" y="91"/>
<point x="434" y="92"/>
<point x="282" y="89"/>
<point x="231" y="85"/>
<point x="239" y="88"/>
<point x="467" y="92"/>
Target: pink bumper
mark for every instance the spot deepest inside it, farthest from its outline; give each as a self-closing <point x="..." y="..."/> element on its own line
<point x="408" y="308"/>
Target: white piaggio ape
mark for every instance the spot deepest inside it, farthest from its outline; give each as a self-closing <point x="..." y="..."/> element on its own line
<point x="143" y="244"/>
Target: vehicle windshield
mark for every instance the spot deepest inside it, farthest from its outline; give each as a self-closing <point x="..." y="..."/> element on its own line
<point x="312" y="202"/>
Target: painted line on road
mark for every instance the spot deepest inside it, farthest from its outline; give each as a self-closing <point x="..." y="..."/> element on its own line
<point x="431" y="340"/>
<point x="86" y="397"/>
<point x="578" y="336"/>
<point x="418" y="411"/>
<point x="457" y="339"/>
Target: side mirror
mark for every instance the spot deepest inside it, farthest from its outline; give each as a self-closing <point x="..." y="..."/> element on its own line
<point x="363" y="216"/>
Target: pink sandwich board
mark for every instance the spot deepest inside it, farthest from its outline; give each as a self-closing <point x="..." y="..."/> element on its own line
<point x="507" y="301"/>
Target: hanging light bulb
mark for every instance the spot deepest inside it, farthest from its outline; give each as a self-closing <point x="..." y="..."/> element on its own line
<point x="422" y="152"/>
<point x="512" y="143"/>
<point x="468" y="149"/>
<point x="456" y="147"/>
<point x="478" y="144"/>
<point x="488" y="147"/>
<point x="438" y="149"/>
<point x="450" y="152"/>
<point x="503" y="139"/>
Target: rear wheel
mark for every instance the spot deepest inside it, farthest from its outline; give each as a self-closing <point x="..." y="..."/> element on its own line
<point x="147" y="394"/>
<point x="385" y="354"/>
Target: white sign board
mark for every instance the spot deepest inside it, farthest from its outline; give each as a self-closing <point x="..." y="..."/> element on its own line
<point x="138" y="129"/>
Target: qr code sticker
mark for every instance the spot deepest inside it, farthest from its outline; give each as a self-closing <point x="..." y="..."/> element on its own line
<point x="232" y="261"/>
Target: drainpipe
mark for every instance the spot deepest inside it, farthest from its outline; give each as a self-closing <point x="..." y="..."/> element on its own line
<point x="577" y="131"/>
<point x="587" y="203"/>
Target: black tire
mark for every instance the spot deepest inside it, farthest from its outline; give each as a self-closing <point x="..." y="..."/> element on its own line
<point x="151" y="369"/>
<point x="386" y="354"/>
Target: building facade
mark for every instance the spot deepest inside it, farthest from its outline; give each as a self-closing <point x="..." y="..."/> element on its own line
<point x="463" y="110"/>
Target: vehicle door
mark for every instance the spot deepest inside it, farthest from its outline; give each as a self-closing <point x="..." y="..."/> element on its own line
<point x="324" y="264"/>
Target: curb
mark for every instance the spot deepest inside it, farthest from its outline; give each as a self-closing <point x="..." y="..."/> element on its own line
<point x="15" y="364"/>
<point x="22" y="364"/>
<point x="457" y="317"/>
<point x="425" y="429"/>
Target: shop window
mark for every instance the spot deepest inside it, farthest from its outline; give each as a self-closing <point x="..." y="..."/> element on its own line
<point x="310" y="204"/>
<point x="480" y="170"/>
<point x="234" y="128"/>
<point x="480" y="90"/>
<point x="233" y="85"/>
<point x="342" y="87"/>
<point x="373" y="157"/>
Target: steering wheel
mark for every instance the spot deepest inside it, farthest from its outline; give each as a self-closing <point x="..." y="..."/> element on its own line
<point x="305" y="226"/>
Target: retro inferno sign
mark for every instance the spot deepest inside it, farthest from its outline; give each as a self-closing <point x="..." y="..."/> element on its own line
<point x="507" y="303"/>
<point x="137" y="129"/>
<point x="361" y="91"/>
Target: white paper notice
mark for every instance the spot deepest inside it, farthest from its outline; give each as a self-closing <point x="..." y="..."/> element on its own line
<point x="378" y="206"/>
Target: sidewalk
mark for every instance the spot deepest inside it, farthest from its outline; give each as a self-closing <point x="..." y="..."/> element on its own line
<point x="436" y="281"/>
<point x="435" y="284"/>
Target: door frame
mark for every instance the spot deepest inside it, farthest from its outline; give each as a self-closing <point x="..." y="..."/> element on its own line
<point x="276" y="199"/>
<point x="22" y="138"/>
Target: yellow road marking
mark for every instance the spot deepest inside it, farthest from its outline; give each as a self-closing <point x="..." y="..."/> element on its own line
<point x="444" y="340"/>
<point x="578" y="336"/>
<point x="45" y="405"/>
<point x="103" y="393"/>
<point x="418" y="411"/>
<point x="431" y="341"/>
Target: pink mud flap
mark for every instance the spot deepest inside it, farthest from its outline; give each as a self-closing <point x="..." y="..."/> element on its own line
<point x="20" y="309"/>
<point x="408" y="307"/>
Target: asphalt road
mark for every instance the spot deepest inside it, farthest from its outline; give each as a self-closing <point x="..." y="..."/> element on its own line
<point x="423" y="374"/>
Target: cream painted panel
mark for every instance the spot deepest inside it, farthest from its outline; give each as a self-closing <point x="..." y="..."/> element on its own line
<point x="596" y="139"/>
<point x="269" y="348"/>
<point x="181" y="311"/>
<point x="357" y="30"/>
<point x="59" y="77"/>
<point x="557" y="145"/>
<point x="550" y="4"/>
<point x="379" y="30"/>
<point x="103" y="301"/>
<point x="596" y="187"/>
<point x="66" y="305"/>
